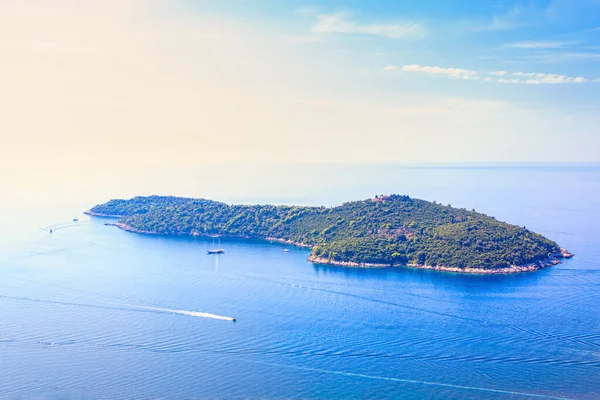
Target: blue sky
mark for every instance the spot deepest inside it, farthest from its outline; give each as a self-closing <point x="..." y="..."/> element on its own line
<point x="539" y="58"/>
<point x="188" y="82"/>
<point x="559" y="37"/>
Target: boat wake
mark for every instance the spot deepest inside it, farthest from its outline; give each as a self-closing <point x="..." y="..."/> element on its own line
<point x="197" y="314"/>
<point x="414" y="381"/>
<point x="56" y="227"/>
<point x="127" y="307"/>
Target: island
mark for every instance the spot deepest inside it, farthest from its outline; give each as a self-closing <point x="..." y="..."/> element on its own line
<point x="384" y="231"/>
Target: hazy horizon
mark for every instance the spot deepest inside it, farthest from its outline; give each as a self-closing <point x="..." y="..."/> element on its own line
<point x="278" y="183"/>
<point x="105" y="89"/>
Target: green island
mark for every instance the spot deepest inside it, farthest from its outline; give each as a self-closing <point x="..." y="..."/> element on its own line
<point x="384" y="231"/>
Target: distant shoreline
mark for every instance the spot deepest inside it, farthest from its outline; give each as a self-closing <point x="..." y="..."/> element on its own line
<point x="129" y="228"/>
<point x="545" y="263"/>
<point x="100" y="215"/>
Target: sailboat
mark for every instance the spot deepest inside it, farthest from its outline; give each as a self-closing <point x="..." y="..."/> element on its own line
<point x="218" y="249"/>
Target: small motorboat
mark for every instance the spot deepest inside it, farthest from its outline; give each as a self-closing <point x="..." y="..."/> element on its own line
<point x="286" y="251"/>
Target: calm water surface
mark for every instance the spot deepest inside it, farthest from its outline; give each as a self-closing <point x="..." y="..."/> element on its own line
<point x="94" y="312"/>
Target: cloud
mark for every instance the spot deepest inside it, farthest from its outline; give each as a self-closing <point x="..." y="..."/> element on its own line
<point x="553" y="78"/>
<point x="539" y="45"/>
<point x="537" y="78"/>
<point x="503" y="80"/>
<point x="531" y="78"/>
<point x="459" y="73"/>
<point x="340" y="23"/>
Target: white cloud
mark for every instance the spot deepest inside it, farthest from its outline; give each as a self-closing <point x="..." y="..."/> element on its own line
<point x="537" y="78"/>
<point x="504" y="80"/>
<point x="539" y="45"/>
<point x="532" y="78"/>
<point x="553" y="78"/>
<point x="460" y="73"/>
<point x="534" y="74"/>
<point x="340" y="23"/>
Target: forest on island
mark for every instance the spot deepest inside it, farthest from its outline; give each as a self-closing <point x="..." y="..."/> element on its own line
<point x="394" y="230"/>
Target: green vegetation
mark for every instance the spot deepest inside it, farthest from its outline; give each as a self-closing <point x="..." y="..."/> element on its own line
<point x="392" y="230"/>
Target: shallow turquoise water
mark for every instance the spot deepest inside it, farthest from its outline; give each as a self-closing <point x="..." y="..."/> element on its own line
<point x="94" y="312"/>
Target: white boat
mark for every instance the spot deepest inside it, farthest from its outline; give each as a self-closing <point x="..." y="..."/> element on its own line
<point x="286" y="251"/>
<point x="216" y="250"/>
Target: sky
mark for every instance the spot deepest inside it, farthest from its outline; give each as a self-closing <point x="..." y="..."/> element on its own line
<point x="105" y="89"/>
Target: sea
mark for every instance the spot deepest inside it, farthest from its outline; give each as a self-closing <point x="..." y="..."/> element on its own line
<point x="92" y="312"/>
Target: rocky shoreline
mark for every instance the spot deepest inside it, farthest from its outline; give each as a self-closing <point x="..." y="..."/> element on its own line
<point x="291" y="243"/>
<point x="548" y="262"/>
<point x="513" y="269"/>
<point x="128" y="228"/>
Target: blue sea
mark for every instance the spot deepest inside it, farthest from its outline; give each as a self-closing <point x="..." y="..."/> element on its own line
<point x="90" y="311"/>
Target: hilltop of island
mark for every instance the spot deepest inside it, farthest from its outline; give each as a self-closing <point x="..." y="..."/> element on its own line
<point x="384" y="231"/>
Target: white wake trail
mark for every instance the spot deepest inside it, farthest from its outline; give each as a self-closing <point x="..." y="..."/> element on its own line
<point x="415" y="381"/>
<point x="126" y="307"/>
<point x="197" y="314"/>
